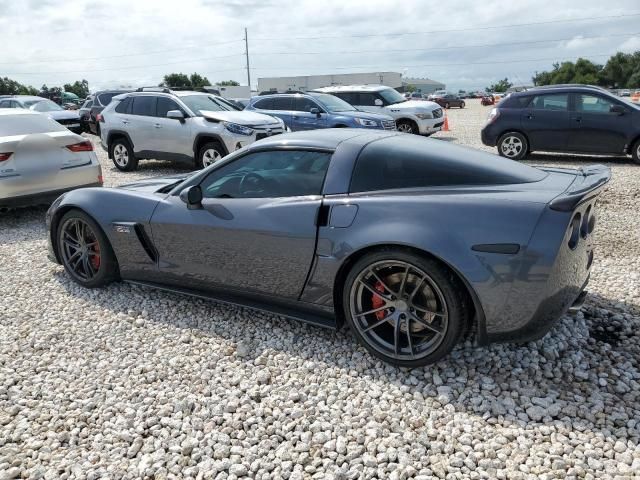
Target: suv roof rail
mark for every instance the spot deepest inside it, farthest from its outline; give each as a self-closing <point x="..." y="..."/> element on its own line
<point x="282" y="93"/>
<point x="568" y="85"/>
<point x="153" y="89"/>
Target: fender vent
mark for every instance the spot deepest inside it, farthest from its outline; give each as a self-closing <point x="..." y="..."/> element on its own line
<point x="146" y="243"/>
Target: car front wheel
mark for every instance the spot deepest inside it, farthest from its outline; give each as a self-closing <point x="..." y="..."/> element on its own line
<point x="635" y="153"/>
<point x="462" y="105"/>
<point x="209" y="154"/>
<point x="403" y="308"/>
<point x="407" y="126"/>
<point x="85" y="251"/>
<point x="513" y="145"/>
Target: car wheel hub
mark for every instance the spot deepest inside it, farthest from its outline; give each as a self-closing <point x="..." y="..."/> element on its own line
<point x="511" y="146"/>
<point x="406" y="128"/>
<point x="210" y="157"/>
<point x="80" y="249"/>
<point x="121" y="155"/>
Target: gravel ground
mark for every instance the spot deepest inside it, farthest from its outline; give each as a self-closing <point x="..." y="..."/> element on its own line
<point x="126" y="382"/>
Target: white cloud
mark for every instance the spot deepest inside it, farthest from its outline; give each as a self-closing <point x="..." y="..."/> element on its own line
<point x="122" y="42"/>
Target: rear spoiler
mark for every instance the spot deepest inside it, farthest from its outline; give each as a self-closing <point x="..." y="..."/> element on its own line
<point x="587" y="185"/>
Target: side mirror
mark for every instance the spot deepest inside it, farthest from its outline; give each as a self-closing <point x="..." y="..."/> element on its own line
<point x="617" y="109"/>
<point x="175" y="114"/>
<point x="315" y="111"/>
<point x="192" y="196"/>
<point x="378" y="103"/>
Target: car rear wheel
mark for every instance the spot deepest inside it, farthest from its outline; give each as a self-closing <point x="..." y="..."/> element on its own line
<point x="122" y="155"/>
<point x="446" y="105"/>
<point x="403" y="308"/>
<point x="462" y="105"/>
<point x="407" y="126"/>
<point x="513" y="145"/>
<point x="209" y="154"/>
<point x="85" y="251"/>
<point x="635" y="153"/>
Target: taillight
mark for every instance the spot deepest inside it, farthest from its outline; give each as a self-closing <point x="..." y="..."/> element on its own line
<point x="5" y="156"/>
<point x="85" y="146"/>
<point x="100" y="118"/>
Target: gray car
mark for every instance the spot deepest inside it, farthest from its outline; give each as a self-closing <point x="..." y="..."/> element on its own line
<point x="68" y="118"/>
<point x="411" y="242"/>
<point x="40" y="159"/>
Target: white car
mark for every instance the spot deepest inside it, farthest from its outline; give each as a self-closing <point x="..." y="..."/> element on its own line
<point x="194" y="127"/>
<point x="411" y="116"/>
<point x="40" y="159"/>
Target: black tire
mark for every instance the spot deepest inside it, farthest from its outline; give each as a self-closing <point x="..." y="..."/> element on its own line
<point x="122" y="155"/>
<point x="462" y="104"/>
<point x="446" y="105"/>
<point x="97" y="129"/>
<point x="101" y="266"/>
<point x="513" y="145"/>
<point x="635" y="152"/>
<point x="407" y="126"/>
<point x="203" y="161"/>
<point x="445" y="296"/>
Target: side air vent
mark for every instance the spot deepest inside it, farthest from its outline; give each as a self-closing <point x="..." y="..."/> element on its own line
<point x="146" y="243"/>
<point x="574" y="229"/>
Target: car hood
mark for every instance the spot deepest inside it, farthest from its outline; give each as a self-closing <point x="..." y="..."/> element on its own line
<point x="151" y="185"/>
<point x="241" y="117"/>
<point x="63" y="114"/>
<point x="418" y="105"/>
<point x="361" y="114"/>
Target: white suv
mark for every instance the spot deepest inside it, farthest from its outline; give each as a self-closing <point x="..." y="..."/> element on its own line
<point x="411" y="116"/>
<point x="178" y="125"/>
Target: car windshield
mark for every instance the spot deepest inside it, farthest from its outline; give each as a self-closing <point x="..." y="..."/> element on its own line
<point x="26" y="124"/>
<point x="392" y="96"/>
<point x="43" y="106"/>
<point x="199" y="103"/>
<point x="333" y="104"/>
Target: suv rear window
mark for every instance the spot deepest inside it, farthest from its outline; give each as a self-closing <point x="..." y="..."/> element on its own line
<point x="105" y="98"/>
<point x="144" y="105"/>
<point x="124" y="106"/>
<point x="406" y="162"/>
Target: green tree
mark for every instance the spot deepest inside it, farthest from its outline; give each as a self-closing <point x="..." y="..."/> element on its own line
<point x="622" y="70"/>
<point x="11" y="87"/>
<point x="410" y="88"/>
<point x="176" y="80"/>
<point x="80" y="88"/>
<point x="228" y="83"/>
<point x="500" y="86"/>
<point x="198" y="81"/>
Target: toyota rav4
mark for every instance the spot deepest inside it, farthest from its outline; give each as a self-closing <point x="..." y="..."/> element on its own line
<point x="178" y="125"/>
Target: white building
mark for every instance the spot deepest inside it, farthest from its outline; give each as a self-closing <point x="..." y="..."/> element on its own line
<point x="310" y="82"/>
<point x="423" y="85"/>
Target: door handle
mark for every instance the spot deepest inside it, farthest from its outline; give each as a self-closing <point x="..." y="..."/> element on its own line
<point x="126" y="122"/>
<point x="294" y="116"/>
<point x="157" y="125"/>
<point x="578" y="119"/>
<point x="530" y="116"/>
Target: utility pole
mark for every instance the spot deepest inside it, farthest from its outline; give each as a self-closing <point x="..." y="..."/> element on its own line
<point x="246" y="46"/>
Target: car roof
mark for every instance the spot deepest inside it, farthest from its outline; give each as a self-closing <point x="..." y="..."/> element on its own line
<point x="17" y="111"/>
<point x="28" y="97"/>
<point x="565" y="87"/>
<point x="352" y="88"/>
<point x="326" y="138"/>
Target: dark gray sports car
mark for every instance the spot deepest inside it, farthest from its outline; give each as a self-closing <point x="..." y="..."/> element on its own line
<point x="410" y="241"/>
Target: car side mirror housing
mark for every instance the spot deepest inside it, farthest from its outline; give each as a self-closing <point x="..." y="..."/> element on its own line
<point x="192" y="196"/>
<point x="315" y="111"/>
<point x="378" y="102"/>
<point x="617" y="109"/>
<point x="175" y="114"/>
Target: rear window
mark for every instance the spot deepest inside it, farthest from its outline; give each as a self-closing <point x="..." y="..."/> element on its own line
<point x="407" y="162"/>
<point x="25" y="124"/>
<point x="105" y="98"/>
<point x="124" y="106"/>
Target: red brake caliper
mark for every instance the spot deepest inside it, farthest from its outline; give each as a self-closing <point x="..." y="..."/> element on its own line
<point x="377" y="301"/>
<point x="95" y="259"/>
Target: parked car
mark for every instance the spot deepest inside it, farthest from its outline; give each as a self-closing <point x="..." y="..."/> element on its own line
<point x="100" y="100"/>
<point x="625" y="93"/>
<point x="411" y="116"/>
<point x="309" y="111"/>
<point x="562" y="118"/>
<point x="337" y="225"/>
<point x="416" y="96"/>
<point x="449" y="100"/>
<point x="437" y="93"/>
<point x="487" y="99"/>
<point x="84" y="112"/>
<point x="40" y="159"/>
<point x="195" y="127"/>
<point x="68" y="118"/>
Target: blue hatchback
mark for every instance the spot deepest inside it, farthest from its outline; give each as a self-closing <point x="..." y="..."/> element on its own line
<point x="308" y="111"/>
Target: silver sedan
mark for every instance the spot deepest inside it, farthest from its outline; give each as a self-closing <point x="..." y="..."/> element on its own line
<point x="40" y="159"/>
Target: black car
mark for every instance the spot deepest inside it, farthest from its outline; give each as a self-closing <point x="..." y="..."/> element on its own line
<point x="85" y="111"/>
<point x="564" y="118"/>
<point x="100" y="100"/>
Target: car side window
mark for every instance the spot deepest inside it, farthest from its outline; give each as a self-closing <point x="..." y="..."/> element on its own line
<point x="144" y="105"/>
<point x="282" y="103"/>
<point x="264" y="104"/>
<point x="593" y="104"/>
<point x="304" y="104"/>
<point x="124" y="106"/>
<point x="367" y="99"/>
<point x="555" y="101"/>
<point x="269" y="174"/>
<point x="349" y="97"/>
<point x="4" y="104"/>
<point x="164" y="105"/>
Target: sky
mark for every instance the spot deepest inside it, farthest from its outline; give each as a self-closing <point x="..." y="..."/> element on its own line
<point x="465" y="44"/>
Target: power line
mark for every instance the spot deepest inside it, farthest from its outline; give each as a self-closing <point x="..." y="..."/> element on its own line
<point x="450" y="47"/>
<point x="466" y="29"/>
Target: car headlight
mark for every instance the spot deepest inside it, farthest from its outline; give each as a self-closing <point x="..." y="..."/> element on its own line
<point x="424" y="116"/>
<point x="365" y="122"/>
<point x="238" y="129"/>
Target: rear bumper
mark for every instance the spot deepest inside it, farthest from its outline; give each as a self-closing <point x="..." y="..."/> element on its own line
<point x="488" y="136"/>
<point x="41" y="198"/>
